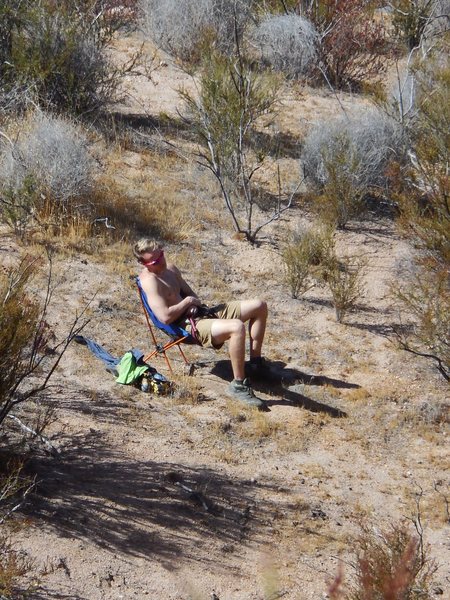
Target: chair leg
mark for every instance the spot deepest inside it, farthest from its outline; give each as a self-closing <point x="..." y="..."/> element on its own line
<point x="157" y="352"/>
<point x="183" y="355"/>
<point x="168" y="363"/>
<point x="163" y="351"/>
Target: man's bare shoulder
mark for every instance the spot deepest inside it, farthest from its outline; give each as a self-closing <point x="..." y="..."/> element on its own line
<point x="147" y="277"/>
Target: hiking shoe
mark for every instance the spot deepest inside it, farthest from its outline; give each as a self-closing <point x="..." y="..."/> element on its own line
<point x="260" y="370"/>
<point x="242" y="391"/>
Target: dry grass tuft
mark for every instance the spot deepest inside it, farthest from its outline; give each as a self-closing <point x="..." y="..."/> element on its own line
<point x="14" y="565"/>
<point x="187" y="390"/>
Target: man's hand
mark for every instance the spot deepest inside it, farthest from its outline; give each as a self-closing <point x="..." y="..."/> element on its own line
<point x="193" y="303"/>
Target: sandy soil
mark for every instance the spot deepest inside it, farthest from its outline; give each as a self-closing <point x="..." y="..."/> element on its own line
<point x="195" y="497"/>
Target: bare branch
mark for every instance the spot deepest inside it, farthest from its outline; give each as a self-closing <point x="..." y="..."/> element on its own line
<point x="54" y="451"/>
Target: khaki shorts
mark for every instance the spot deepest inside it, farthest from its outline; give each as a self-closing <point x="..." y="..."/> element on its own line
<point x="228" y="310"/>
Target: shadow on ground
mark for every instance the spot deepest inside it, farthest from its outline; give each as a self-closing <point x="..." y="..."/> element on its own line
<point x="103" y="406"/>
<point x="141" y="132"/>
<point x="283" y="378"/>
<point x="45" y="594"/>
<point x="168" y="511"/>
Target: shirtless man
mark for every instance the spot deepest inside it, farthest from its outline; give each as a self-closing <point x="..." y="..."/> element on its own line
<point x="171" y="299"/>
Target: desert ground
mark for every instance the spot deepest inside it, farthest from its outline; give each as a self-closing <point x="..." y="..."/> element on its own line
<point x="193" y="495"/>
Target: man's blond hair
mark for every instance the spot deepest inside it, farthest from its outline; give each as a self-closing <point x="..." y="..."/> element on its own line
<point x="145" y="245"/>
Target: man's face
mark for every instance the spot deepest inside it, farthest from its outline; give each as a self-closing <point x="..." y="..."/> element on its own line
<point x="155" y="261"/>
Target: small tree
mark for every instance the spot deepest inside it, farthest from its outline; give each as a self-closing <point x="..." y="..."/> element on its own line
<point x="230" y="101"/>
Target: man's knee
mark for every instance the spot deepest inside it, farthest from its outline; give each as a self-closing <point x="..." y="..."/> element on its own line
<point x="263" y="307"/>
<point x="236" y="327"/>
<point x="253" y="309"/>
<point x="224" y="329"/>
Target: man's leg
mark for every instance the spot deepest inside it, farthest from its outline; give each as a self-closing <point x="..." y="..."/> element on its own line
<point x="255" y="311"/>
<point x="232" y="330"/>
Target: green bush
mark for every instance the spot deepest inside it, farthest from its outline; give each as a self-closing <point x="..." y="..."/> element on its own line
<point x="426" y="297"/>
<point x="414" y="20"/>
<point x="345" y="281"/>
<point x="341" y="198"/>
<point x="305" y="255"/>
<point x="54" y="55"/>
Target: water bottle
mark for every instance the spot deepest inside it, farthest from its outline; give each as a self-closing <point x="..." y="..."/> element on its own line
<point x="144" y="384"/>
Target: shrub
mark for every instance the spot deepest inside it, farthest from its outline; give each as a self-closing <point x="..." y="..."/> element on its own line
<point x="390" y="565"/>
<point x="287" y="43"/>
<point x="277" y="6"/>
<point x="19" y="326"/>
<point x="46" y="170"/>
<point x="14" y="565"/>
<point x="55" y="154"/>
<point x="347" y="157"/>
<point x="27" y="361"/>
<point x="179" y="26"/>
<point x="353" y="45"/>
<point x="344" y="278"/>
<point x="341" y="198"/>
<point x="54" y="55"/>
<point x="426" y="297"/>
<point x="414" y="20"/>
<point x="304" y="256"/>
<point x="372" y="138"/>
<point x="422" y="191"/>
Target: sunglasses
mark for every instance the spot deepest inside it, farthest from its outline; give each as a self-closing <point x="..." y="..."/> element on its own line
<point x="152" y="263"/>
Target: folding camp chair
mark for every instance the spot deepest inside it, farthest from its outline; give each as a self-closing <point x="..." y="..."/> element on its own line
<point x="177" y="334"/>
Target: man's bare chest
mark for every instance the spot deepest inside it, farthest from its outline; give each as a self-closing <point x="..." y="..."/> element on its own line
<point x="169" y="286"/>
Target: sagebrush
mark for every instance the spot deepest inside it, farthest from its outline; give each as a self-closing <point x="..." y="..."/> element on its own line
<point x="180" y="26"/>
<point x="346" y="158"/>
<point x="287" y="43"/>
